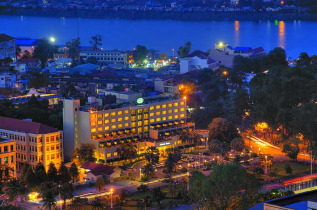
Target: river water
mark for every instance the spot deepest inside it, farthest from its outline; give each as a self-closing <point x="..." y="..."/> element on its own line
<point x="163" y="35"/>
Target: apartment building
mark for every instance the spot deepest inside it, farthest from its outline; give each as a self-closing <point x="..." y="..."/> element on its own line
<point x="142" y="124"/>
<point x="7" y="47"/>
<point x="7" y="157"/>
<point x="107" y="57"/>
<point x="35" y="142"/>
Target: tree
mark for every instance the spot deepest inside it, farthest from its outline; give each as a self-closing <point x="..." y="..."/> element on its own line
<point x="84" y="153"/>
<point x="24" y="170"/>
<point x="127" y="151"/>
<point x="73" y="172"/>
<point x="158" y="195"/>
<point x="44" y="51"/>
<point x="140" y="53"/>
<point x="288" y="169"/>
<point x="40" y="174"/>
<point x="96" y="204"/>
<point x="66" y="192"/>
<point x="215" y="146"/>
<point x="52" y="173"/>
<point x="163" y="56"/>
<point x="170" y="163"/>
<point x="100" y="183"/>
<point x="63" y="174"/>
<point x="184" y="51"/>
<point x="143" y="188"/>
<point x="47" y="187"/>
<point x="275" y="57"/>
<point x="291" y="148"/>
<point x="199" y="189"/>
<point x="49" y="201"/>
<point x="237" y="144"/>
<point x="152" y="155"/>
<point x="222" y="130"/>
<point x="172" y="188"/>
<point x="92" y="60"/>
<point x="95" y="42"/>
<point x="73" y="48"/>
<point x="12" y="190"/>
<point x="30" y="178"/>
<point x="148" y="170"/>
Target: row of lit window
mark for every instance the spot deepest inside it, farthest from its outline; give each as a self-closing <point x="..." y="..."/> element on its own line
<point x="164" y="105"/>
<point x="133" y="130"/>
<point x="53" y="156"/>
<point x="6" y="160"/>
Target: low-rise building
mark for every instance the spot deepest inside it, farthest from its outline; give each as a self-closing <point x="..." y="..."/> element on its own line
<point x="165" y="84"/>
<point x="107" y="57"/>
<point x="7" y="47"/>
<point x="25" y="64"/>
<point x="91" y="171"/>
<point x="7" y="157"/>
<point x="26" y="44"/>
<point x="7" y="79"/>
<point x="36" y="143"/>
<point x="122" y="96"/>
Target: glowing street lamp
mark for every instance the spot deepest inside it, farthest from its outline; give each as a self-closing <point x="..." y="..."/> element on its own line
<point x="111" y="191"/>
<point x="52" y="39"/>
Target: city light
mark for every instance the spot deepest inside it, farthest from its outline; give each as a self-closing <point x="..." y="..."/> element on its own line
<point x="220" y="44"/>
<point x="52" y="39"/>
<point x="225" y="73"/>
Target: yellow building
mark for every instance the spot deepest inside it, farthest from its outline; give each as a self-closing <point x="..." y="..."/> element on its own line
<point x="35" y="142"/>
<point x="7" y="157"/>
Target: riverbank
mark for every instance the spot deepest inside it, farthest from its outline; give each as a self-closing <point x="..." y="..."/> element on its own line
<point x="162" y="15"/>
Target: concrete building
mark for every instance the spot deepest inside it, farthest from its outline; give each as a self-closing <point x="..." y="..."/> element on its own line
<point x="107" y="57"/>
<point x="7" y="157"/>
<point x="36" y="143"/>
<point x="109" y="128"/>
<point x="25" y="64"/>
<point x="7" y="79"/>
<point x="7" y="47"/>
<point x="122" y="97"/>
<point x="166" y="85"/>
<point x="197" y="60"/>
<point x="91" y="171"/>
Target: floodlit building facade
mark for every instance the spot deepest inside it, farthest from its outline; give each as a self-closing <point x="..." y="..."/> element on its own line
<point x="108" y="57"/>
<point x="7" y="157"/>
<point x="35" y="142"/>
<point x="151" y="123"/>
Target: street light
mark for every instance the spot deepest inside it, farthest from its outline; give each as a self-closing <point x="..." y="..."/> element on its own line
<point x="111" y="191"/>
<point x="140" y="173"/>
<point x="52" y="39"/>
<point x="266" y="164"/>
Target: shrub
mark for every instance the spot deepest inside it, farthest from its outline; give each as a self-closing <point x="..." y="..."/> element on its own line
<point x="183" y="170"/>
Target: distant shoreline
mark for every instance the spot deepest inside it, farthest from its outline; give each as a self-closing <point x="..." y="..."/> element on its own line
<point x="162" y="15"/>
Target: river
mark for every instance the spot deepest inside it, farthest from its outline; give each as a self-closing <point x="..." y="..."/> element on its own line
<point x="294" y="37"/>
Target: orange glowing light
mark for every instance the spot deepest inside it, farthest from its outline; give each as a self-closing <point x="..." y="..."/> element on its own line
<point x="184" y="97"/>
<point x="225" y="73"/>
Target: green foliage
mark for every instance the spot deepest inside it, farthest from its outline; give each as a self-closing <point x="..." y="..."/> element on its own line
<point x="158" y="195"/>
<point x="143" y="188"/>
<point x="237" y="144"/>
<point x="222" y="130"/>
<point x="184" y="51"/>
<point x="288" y="169"/>
<point x="63" y="174"/>
<point x="84" y="153"/>
<point x="73" y="48"/>
<point x="140" y="53"/>
<point x="128" y="151"/>
<point x="152" y="155"/>
<point x="100" y="183"/>
<point x="30" y="178"/>
<point x="44" y="50"/>
<point x="96" y="42"/>
<point x="148" y="170"/>
<point x="215" y="146"/>
<point x="73" y="173"/>
<point x="11" y="207"/>
<point x="52" y="173"/>
<point x="40" y="174"/>
<point x="291" y="148"/>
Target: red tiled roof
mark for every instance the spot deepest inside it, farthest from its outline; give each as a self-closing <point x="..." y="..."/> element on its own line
<point x="98" y="169"/>
<point x="28" y="60"/>
<point x="25" y="126"/>
<point x="5" y="38"/>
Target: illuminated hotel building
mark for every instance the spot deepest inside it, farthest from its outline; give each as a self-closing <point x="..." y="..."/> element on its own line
<point x="7" y="157"/>
<point x="35" y="142"/>
<point x="154" y="123"/>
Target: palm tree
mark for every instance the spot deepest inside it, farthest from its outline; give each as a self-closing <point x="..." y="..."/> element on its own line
<point x="148" y="170"/>
<point x="13" y="188"/>
<point x="49" y="201"/>
<point x="170" y="163"/>
<point x="100" y="183"/>
<point x="66" y="192"/>
<point x="128" y="151"/>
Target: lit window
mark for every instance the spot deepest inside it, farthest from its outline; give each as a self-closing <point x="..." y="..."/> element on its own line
<point x="93" y="130"/>
<point x="108" y="154"/>
<point x="158" y="119"/>
<point x="93" y="123"/>
<point x="140" y="111"/>
<point x="106" y="121"/>
<point x="152" y="107"/>
<point x="126" y="111"/>
<point x="163" y="112"/>
<point x="175" y="104"/>
<point x="158" y="107"/>
<point x="113" y="126"/>
<point x="47" y="148"/>
<point x="133" y="118"/>
<point x="47" y="157"/>
<point x="140" y="130"/>
<point x="120" y="119"/>
<point x="175" y="110"/>
<point x="151" y="114"/>
<point x="170" y="111"/>
<point x="99" y="122"/>
<point x="151" y="120"/>
<point x="119" y="112"/>
<point x="133" y="124"/>
<point x="146" y="122"/>
<point x="170" y="105"/>
<point x="158" y="113"/>
<point x="146" y="129"/>
<point x="133" y="130"/>
<point x="100" y="129"/>
<point x="146" y="116"/>
<point x="164" y="106"/>
<point x="126" y="118"/>
<point x="107" y="128"/>
<point x="182" y="103"/>
<point x="115" y="154"/>
<point x="139" y="123"/>
<point x="106" y="114"/>
<point x="139" y="117"/>
<point x="113" y="113"/>
<point x="182" y="115"/>
<point x="163" y="118"/>
<point x="113" y="120"/>
<point x="126" y="124"/>
<point x="182" y="109"/>
<point x="170" y="117"/>
<point x="176" y="116"/>
<point x="52" y="156"/>
<point x="99" y="115"/>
